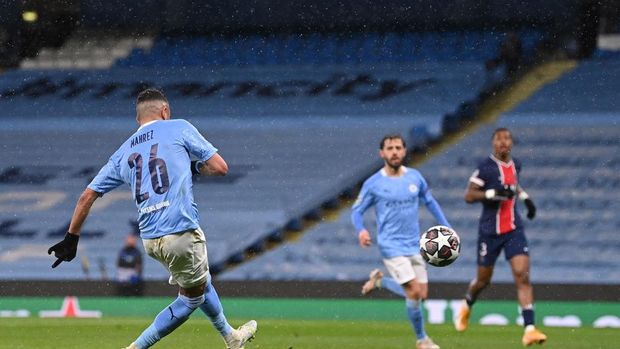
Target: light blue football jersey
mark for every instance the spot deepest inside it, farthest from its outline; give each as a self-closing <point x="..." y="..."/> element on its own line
<point x="155" y="162"/>
<point x="396" y="201"/>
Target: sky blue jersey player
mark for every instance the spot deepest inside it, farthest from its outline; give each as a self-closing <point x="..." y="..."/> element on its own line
<point x="155" y="163"/>
<point x="396" y="192"/>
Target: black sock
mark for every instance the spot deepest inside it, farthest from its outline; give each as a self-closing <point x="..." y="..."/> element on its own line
<point x="528" y="316"/>
<point x="470" y="300"/>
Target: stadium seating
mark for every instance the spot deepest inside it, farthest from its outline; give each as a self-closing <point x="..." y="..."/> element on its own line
<point x="290" y="150"/>
<point x="419" y="89"/>
<point x="567" y="139"/>
<point x="323" y="49"/>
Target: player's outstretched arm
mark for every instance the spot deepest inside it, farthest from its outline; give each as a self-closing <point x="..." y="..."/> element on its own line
<point x="66" y="249"/>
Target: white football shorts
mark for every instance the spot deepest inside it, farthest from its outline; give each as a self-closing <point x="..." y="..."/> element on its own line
<point x="406" y="268"/>
<point x="183" y="254"/>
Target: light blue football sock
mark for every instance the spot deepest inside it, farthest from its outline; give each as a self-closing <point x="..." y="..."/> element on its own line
<point x="212" y="307"/>
<point x="414" y="313"/>
<point x="168" y="320"/>
<point x="392" y="286"/>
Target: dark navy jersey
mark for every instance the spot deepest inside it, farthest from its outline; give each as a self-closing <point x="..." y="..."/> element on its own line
<point x="498" y="217"/>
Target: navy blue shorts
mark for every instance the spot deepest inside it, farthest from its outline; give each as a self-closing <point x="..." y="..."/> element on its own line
<point x="490" y="246"/>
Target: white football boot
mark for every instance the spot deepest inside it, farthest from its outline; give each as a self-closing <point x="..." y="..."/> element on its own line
<point x="245" y="333"/>
<point x="373" y="281"/>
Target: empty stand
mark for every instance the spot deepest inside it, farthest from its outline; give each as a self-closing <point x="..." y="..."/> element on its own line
<point x="323" y="49"/>
<point x="425" y="89"/>
<point x="295" y="136"/>
<point x="278" y="174"/>
<point x="570" y="165"/>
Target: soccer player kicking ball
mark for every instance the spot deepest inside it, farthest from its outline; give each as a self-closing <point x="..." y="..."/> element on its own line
<point x="155" y="162"/>
<point x="396" y="192"/>
<point x="495" y="184"/>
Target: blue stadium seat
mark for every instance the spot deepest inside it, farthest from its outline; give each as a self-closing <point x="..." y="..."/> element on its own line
<point x="319" y="49"/>
<point x="278" y="173"/>
<point x="313" y="49"/>
<point x="570" y="168"/>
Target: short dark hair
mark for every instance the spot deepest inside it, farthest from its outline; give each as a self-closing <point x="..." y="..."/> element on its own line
<point x="151" y="94"/>
<point x="390" y="137"/>
<point x="500" y="129"/>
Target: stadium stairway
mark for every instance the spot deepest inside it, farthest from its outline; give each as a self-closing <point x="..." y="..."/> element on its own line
<point x="87" y="50"/>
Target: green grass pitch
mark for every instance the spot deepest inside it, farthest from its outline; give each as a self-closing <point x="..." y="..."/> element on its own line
<point x="36" y="333"/>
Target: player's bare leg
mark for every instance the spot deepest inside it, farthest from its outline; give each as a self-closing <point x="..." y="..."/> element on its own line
<point x="482" y="280"/>
<point x="416" y="290"/>
<point x="193" y="291"/>
<point x="374" y="281"/>
<point x="520" y="265"/>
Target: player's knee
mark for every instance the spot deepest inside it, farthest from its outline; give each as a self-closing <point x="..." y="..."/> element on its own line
<point x="522" y="277"/>
<point x="423" y="295"/>
<point x="193" y="292"/>
<point x="416" y="296"/>
<point x="483" y="282"/>
<point x="413" y="294"/>
<point x="193" y="302"/>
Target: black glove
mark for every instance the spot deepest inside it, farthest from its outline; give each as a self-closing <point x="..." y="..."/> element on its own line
<point x="503" y="193"/>
<point x="531" y="209"/>
<point x="195" y="167"/>
<point x="65" y="250"/>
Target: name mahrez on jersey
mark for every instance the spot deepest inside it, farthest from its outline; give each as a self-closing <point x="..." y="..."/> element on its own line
<point x="147" y="136"/>
<point x="158" y="206"/>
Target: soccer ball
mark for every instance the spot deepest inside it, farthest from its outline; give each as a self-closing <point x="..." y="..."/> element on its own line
<point x="440" y="246"/>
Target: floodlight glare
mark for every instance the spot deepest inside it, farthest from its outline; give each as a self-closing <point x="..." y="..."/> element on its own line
<point x="30" y="16"/>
